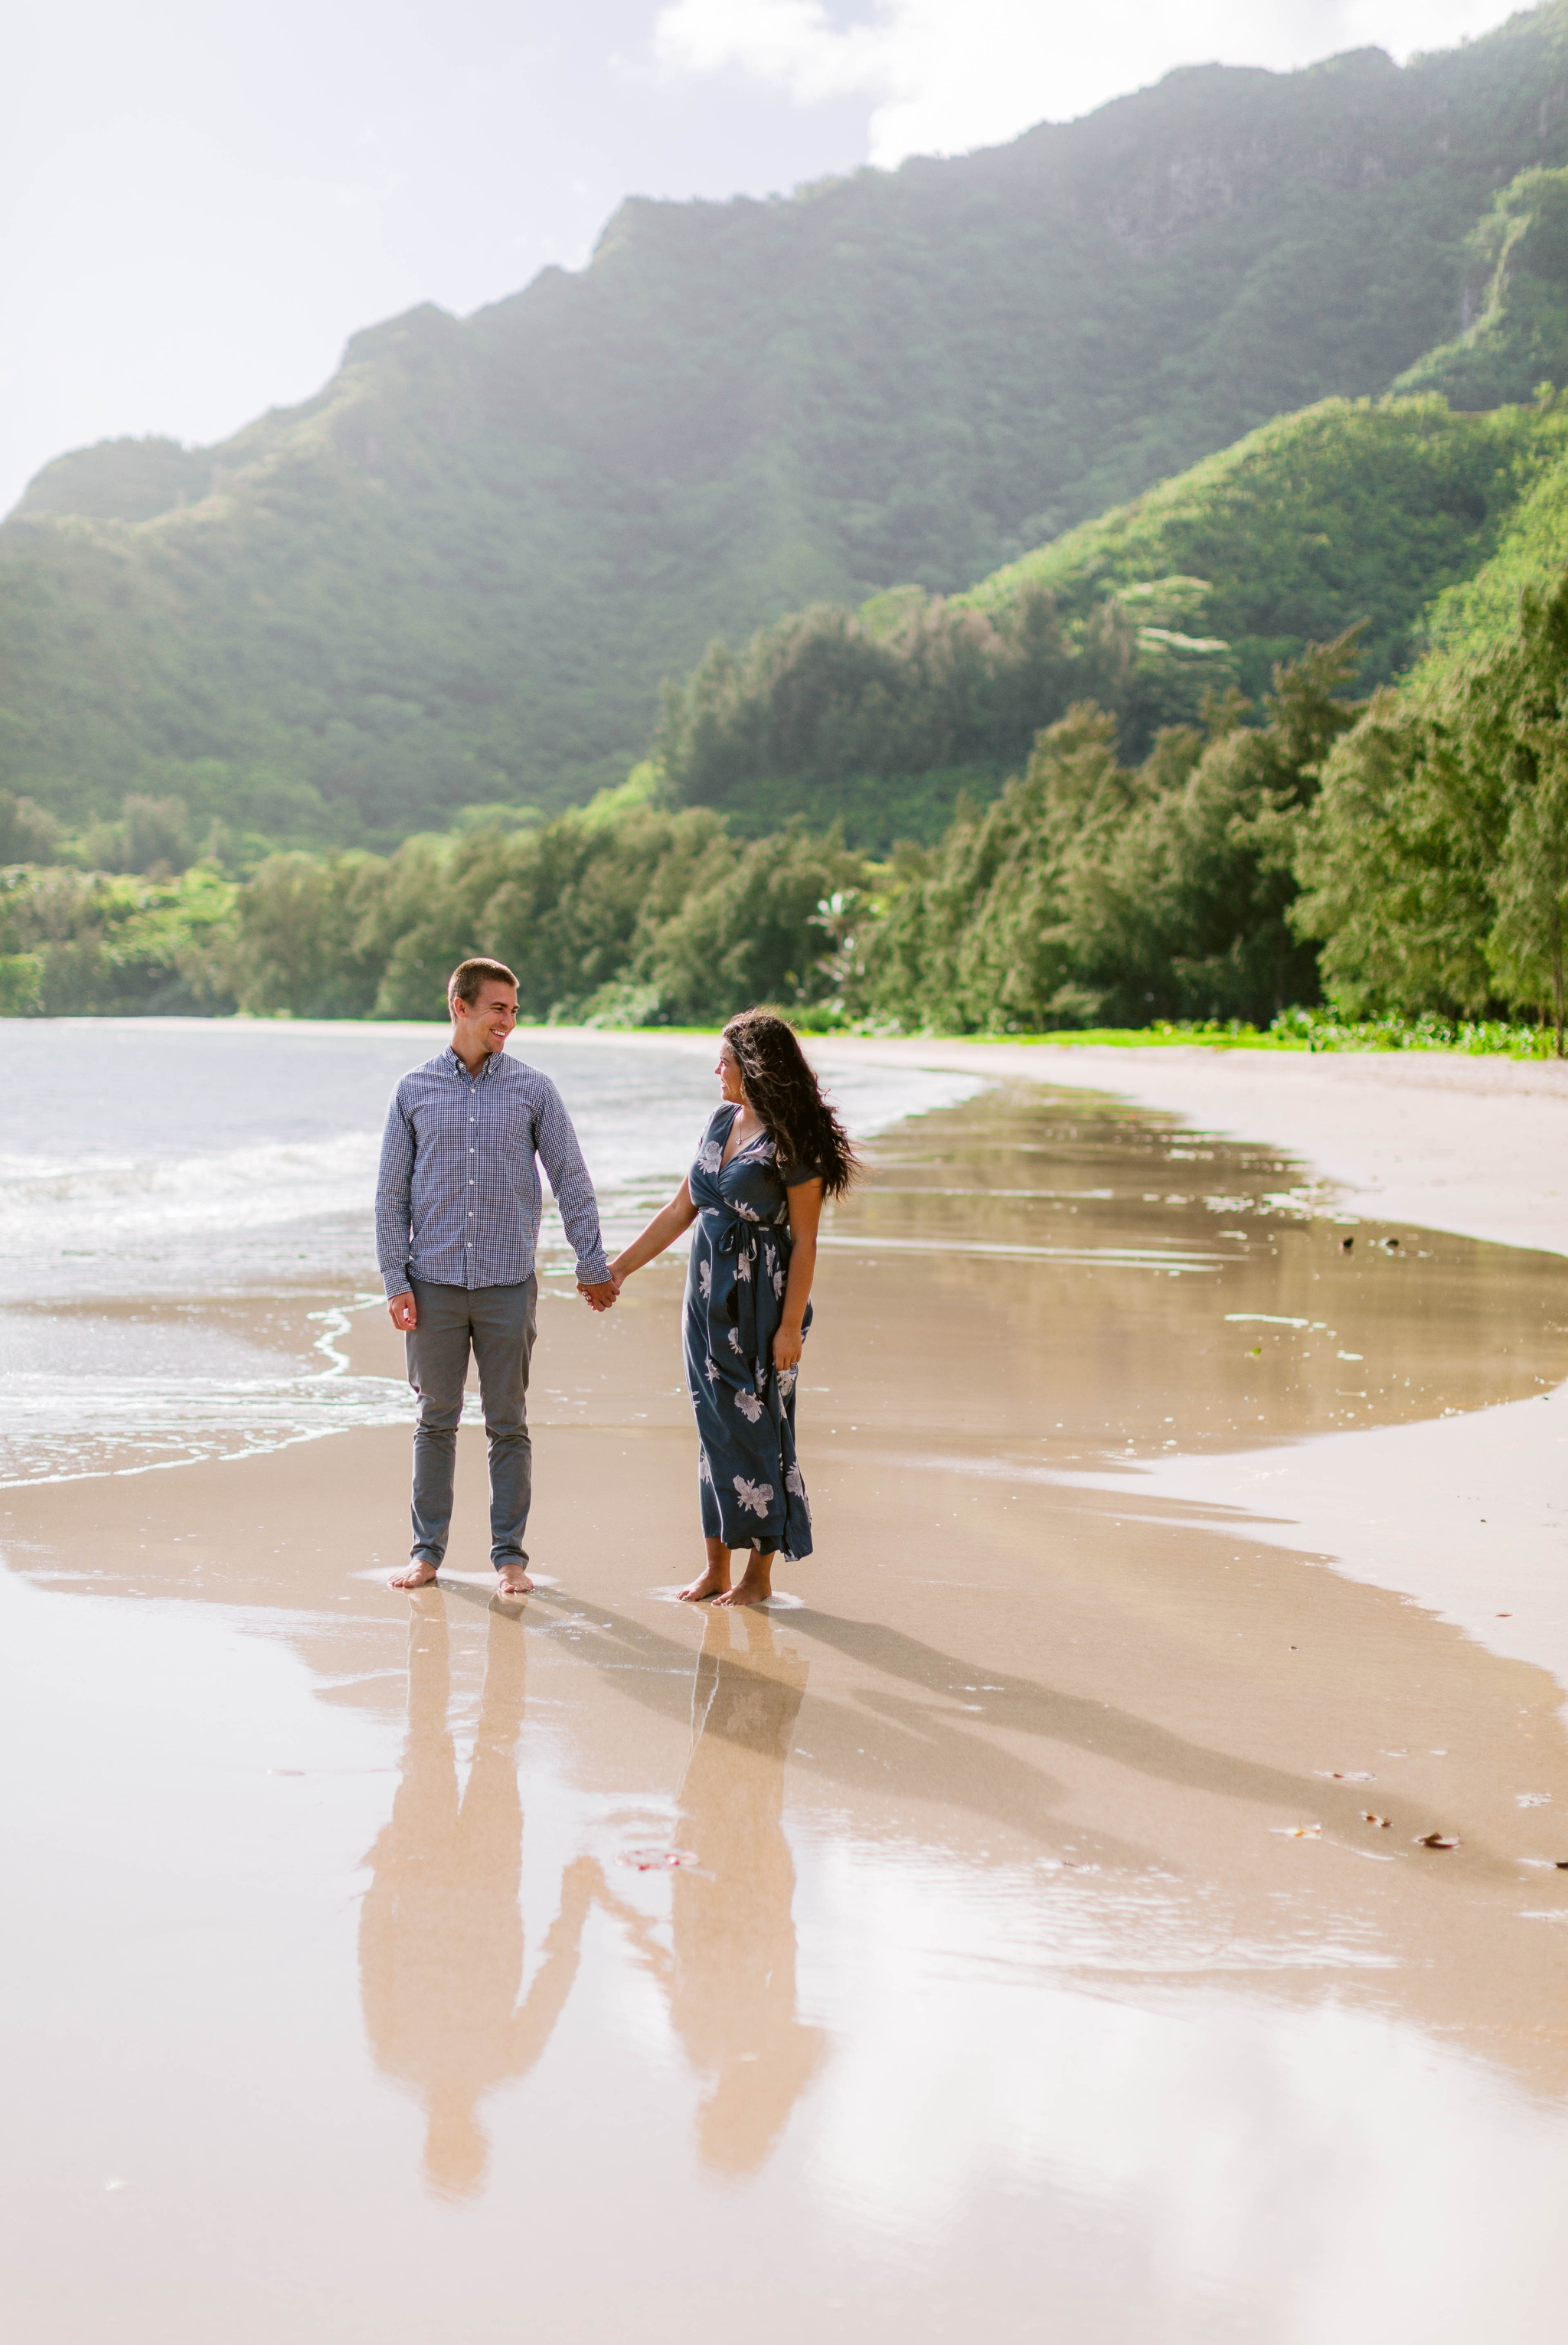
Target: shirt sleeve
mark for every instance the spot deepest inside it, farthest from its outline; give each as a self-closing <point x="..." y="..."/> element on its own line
<point x="570" y="1185"/>
<point x="394" y="1187"/>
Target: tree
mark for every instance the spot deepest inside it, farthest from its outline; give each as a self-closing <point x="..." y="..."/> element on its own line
<point x="1427" y="862"/>
<point x="300" y="945"/>
<point x="1092" y="891"/>
<point x="1525" y="947"/>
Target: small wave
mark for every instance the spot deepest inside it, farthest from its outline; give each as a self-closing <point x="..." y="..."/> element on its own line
<point x="130" y="1424"/>
<point x="55" y="1430"/>
<point x="245" y="1188"/>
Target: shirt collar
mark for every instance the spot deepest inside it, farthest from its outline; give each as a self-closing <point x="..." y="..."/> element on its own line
<point x="456" y="1067"/>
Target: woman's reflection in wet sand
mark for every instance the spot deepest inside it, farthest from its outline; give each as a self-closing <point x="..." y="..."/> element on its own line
<point x="441" y="1936"/>
<point x="732" y="1988"/>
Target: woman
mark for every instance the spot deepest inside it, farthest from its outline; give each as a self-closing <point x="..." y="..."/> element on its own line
<point x="772" y="1151"/>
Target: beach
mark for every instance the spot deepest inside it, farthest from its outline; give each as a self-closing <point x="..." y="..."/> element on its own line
<point x="990" y="1937"/>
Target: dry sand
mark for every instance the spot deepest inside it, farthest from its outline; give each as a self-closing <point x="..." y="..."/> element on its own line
<point x="991" y="1943"/>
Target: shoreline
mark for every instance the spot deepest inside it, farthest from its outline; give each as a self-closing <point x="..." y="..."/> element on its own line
<point x="1384" y="1128"/>
<point x="1460" y="1513"/>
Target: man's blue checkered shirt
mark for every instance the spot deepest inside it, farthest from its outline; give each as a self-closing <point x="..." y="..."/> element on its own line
<point x="457" y="1201"/>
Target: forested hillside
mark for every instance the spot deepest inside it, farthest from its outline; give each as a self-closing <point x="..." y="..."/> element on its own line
<point x="457" y="576"/>
<point x="1403" y="520"/>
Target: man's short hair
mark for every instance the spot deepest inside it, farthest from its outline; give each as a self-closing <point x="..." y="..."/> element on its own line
<point x="470" y="977"/>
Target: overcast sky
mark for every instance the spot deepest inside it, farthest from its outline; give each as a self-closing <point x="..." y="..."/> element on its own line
<point x="198" y="202"/>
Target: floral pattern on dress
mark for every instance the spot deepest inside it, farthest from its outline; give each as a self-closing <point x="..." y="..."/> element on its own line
<point x="751" y="1486"/>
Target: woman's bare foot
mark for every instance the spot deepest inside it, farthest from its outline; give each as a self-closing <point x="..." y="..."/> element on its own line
<point x="512" y="1580"/>
<point x="715" y="1581"/>
<point x="756" y="1582"/>
<point x="419" y="1575"/>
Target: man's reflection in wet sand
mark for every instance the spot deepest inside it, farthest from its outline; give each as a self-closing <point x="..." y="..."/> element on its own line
<point x="441" y="1936"/>
<point x="732" y="1988"/>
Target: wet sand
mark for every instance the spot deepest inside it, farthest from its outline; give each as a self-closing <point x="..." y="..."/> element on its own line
<point x="989" y="1942"/>
<point x="1439" y="1138"/>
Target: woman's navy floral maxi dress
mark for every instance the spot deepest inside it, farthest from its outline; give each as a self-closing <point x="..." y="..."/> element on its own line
<point x="750" y="1487"/>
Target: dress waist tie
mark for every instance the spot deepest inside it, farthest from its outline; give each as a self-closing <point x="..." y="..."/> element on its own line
<point x="741" y="1237"/>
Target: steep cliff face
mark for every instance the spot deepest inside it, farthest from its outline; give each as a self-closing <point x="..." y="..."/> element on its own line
<point x="1514" y="303"/>
<point x="459" y="572"/>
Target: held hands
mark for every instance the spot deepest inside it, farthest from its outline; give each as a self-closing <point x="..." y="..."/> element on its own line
<point x="787" y="1346"/>
<point x="602" y="1297"/>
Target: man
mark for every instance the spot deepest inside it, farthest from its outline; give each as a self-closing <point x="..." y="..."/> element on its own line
<point x="457" y="1223"/>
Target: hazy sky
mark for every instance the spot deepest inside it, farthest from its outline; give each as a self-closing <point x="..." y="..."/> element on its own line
<point x="199" y="202"/>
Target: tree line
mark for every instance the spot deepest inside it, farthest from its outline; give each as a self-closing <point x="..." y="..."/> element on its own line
<point x="879" y="719"/>
<point x="1402" y="856"/>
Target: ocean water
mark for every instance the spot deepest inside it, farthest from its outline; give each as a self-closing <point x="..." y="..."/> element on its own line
<point x="186" y="1217"/>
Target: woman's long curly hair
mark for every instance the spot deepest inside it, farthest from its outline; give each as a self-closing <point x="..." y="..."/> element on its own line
<point x="785" y="1092"/>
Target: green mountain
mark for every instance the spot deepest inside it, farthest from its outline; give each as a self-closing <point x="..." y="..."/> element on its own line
<point x="458" y="575"/>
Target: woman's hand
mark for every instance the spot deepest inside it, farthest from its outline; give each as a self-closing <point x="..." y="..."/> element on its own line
<point x="666" y="1226"/>
<point x="805" y="1212"/>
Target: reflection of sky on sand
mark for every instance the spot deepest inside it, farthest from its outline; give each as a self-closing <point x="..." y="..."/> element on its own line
<point x="970" y="2096"/>
<point x="1314" y="2174"/>
<point x="951" y="2078"/>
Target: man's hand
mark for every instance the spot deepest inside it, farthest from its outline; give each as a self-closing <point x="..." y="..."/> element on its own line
<point x="404" y="1312"/>
<point x="598" y="1297"/>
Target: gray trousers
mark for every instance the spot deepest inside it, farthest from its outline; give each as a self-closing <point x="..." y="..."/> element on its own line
<point x="497" y="1324"/>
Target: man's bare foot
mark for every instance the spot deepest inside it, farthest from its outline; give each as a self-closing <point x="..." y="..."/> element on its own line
<point x="756" y="1582"/>
<point x="512" y="1580"/>
<point x="418" y="1575"/>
